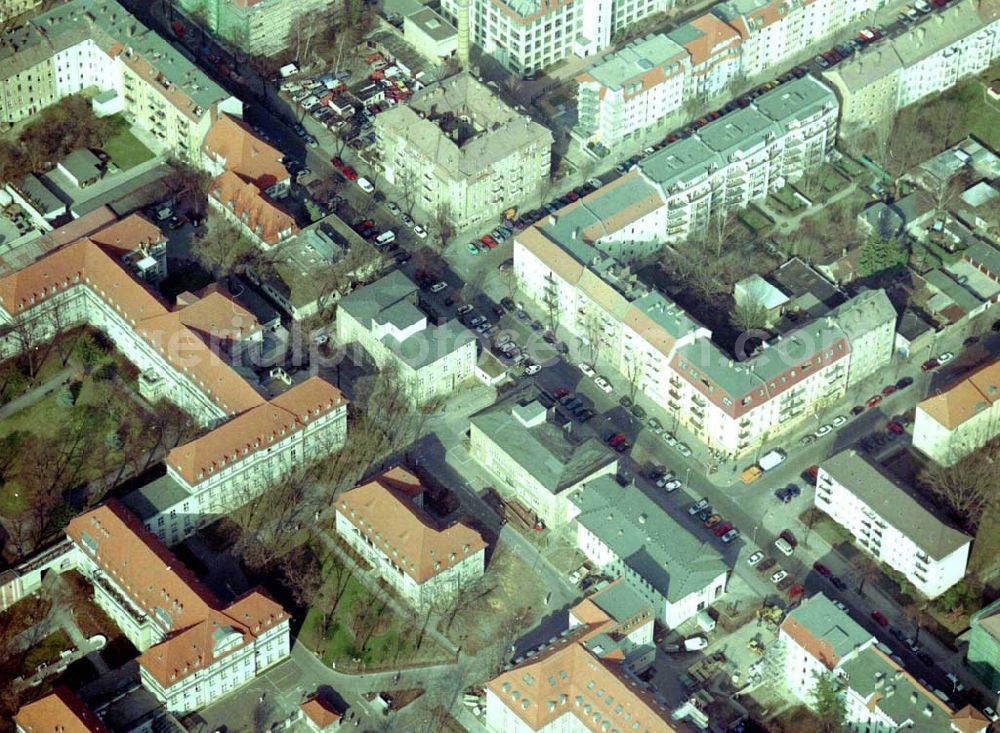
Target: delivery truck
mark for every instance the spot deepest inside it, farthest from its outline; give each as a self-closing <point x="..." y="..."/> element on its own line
<point x="766" y="463"/>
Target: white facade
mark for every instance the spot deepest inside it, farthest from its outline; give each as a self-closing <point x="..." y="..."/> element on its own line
<point x="890" y="526"/>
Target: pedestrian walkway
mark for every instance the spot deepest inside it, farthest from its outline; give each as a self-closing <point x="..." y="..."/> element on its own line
<point x="37" y="394"/>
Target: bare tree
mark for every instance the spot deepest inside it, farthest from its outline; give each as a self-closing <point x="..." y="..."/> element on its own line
<point x="748" y="314"/>
<point x="221" y="248"/>
<point x="968" y="488"/>
<point x="593" y="331"/>
<point x="633" y="372"/>
<point x="443" y="231"/>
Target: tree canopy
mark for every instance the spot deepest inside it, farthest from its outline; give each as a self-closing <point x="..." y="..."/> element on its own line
<point x="878" y="255"/>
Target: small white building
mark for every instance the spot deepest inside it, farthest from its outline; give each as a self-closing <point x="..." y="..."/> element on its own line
<point x="430" y="33"/>
<point x="889" y="522"/>
<point x="383" y="521"/>
<point x="624" y="533"/>
<point x="954" y="423"/>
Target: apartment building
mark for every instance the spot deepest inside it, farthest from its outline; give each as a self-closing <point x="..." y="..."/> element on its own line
<point x="536" y="461"/>
<point x="630" y="90"/>
<point x="245" y="205"/>
<point x="59" y="710"/>
<point x="623" y="533"/>
<point x="232" y="145"/>
<point x="961" y="419"/>
<point x="180" y="353"/>
<point x="584" y="679"/>
<point x="194" y="649"/>
<point x="879" y="695"/>
<point x="463" y="152"/>
<point x="983" y="655"/>
<point x="384" y="522"/>
<point x="952" y="44"/>
<point x="260" y="27"/>
<point x="97" y="45"/>
<point x="10" y="9"/>
<point x="526" y="36"/>
<point x="713" y="48"/>
<point x="891" y="523"/>
<point x="383" y="320"/>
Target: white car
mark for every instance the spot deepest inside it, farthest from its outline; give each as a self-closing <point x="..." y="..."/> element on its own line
<point x="419" y="231"/>
<point x="587" y="369"/>
<point x="577" y="575"/>
<point x="669" y="439"/>
<point x="779" y="576"/>
<point x="532" y="369"/>
<point x="392" y="208"/>
<point x="840" y="606"/>
<point x="784" y="547"/>
<point x="671" y="485"/>
<point x="730" y="536"/>
<point x="991" y="714"/>
<point x="824" y="430"/>
<point x="697" y="506"/>
<point x="683" y="450"/>
<point x="438" y="287"/>
<point x="463" y="309"/>
<point x="755" y="558"/>
<point x="365" y="185"/>
<point x="839" y="420"/>
<point x="604" y="384"/>
<point x="945" y="357"/>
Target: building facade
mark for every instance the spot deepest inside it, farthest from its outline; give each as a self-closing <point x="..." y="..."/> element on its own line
<point x="383" y="521"/>
<point x="97" y="45"/>
<point x="890" y="524"/>
<point x="535" y="460"/>
<point x="194" y="648"/>
<point x="983" y="655"/>
<point x="933" y="55"/>
<point x="260" y="27"/>
<point x="382" y="319"/>
<point x="463" y="152"/>
<point x="625" y="534"/>
<point x="961" y="419"/>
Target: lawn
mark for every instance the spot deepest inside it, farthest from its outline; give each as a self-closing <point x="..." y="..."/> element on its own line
<point x="756" y="219"/>
<point x="125" y="149"/>
<point x="983" y="119"/>
<point x="46" y="651"/>
<point x="787" y="199"/>
<point x="850" y="167"/>
<point x="363" y="628"/>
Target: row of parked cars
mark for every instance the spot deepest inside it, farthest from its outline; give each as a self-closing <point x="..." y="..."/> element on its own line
<point x="720" y="528"/>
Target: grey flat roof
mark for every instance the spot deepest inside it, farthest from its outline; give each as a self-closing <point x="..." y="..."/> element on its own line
<point x="364" y="304"/>
<point x="431" y="344"/>
<point x="82" y="164"/>
<point x="634" y="60"/>
<point x="39" y="195"/>
<point x="432" y="23"/>
<point x="896" y="504"/>
<point x="647" y="539"/>
<point x="155" y="497"/>
<point x="555" y="458"/>
<point x="829" y="624"/>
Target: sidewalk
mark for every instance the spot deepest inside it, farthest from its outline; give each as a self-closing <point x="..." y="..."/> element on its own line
<point x="36" y="394"/>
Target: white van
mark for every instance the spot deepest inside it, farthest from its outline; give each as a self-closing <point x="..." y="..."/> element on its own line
<point x="365" y="185"/>
<point x="783" y="547"/>
<point x="385" y="238"/>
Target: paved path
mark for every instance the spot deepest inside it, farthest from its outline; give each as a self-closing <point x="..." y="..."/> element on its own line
<point x="790" y="222"/>
<point x="36" y="394"/>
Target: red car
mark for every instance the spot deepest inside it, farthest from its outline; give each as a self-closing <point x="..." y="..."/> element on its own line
<point x="880" y="618"/>
<point x="572" y="195"/>
<point x="617" y="440"/>
<point x="874" y="400"/>
<point x="891" y="389"/>
<point x="722" y="529"/>
<point x="560" y="393"/>
<point x="822" y="569"/>
<point x="812" y="472"/>
<point x="895" y="428"/>
<point x="349" y="173"/>
<point x="337" y="163"/>
<point x="787" y="536"/>
<point x="930" y="365"/>
<point x="488" y="241"/>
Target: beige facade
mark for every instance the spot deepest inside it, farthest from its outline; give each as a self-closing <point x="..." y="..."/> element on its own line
<point x="464" y="152"/>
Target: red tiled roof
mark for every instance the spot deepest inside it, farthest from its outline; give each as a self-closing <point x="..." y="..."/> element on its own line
<point x="714" y="33"/>
<point x="320" y="712"/>
<point x="965" y="399"/>
<point x="231" y="141"/>
<point x="60" y="711"/>
<point x="257" y="212"/>
<point x="255" y="429"/>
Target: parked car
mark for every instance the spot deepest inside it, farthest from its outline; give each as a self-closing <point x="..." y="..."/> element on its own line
<point x="904" y="382"/>
<point x="838" y="583"/>
<point x="822" y="569"/>
<point x="683" y="450"/>
<point x="879" y="618"/>
<point x="930" y="365"/>
<point x="730" y="536"/>
<point x="787" y="536"/>
<point x="839" y="420"/>
<point x="779" y="576"/>
<point x="874" y="400"/>
<point x="945" y="357"/>
<point x="586" y="369"/>
<point x="857" y="410"/>
<point x="438" y="287"/>
<point x="755" y="558"/>
<point x="889" y="389"/>
<point x="784" y="547"/>
<point x="713" y="520"/>
<point x="823" y="430"/>
<point x="603" y="384"/>
<point x="365" y="185"/>
<point x="697" y="506"/>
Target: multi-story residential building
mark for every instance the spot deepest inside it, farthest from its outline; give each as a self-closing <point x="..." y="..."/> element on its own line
<point x="584" y="679"/>
<point x="817" y="638"/>
<point x="384" y="522"/>
<point x="384" y="321"/>
<point x="194" y="649"/>
<point x="625" y="533"/>
<point x="232" y="145"/>
<point x="936" y="53"/>
<point x="180" y="354"/>
<point x="97" y="44"/>
<point x="526" y="36"/>
<point x="630" y="90"/>
<point x="462" y="152"/>
<point x="260" y="27"/>
<point x="957" y="421"/>
<point x="536" y="461"/>
<point x="714" y="60"/>
<point x="59" y="710"/>
<point x="889" y="522"/>
<point x="983" y="655"/>
<point x="245" y="205"/>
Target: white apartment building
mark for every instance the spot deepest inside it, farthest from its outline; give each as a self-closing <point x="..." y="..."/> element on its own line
<point x="526" y="36"/>
<point x="625" y="534"/>
<point x="535" y="460"/>
<point x="890" y="524"/>
<point x="584" y="679"/>
<point x="194" y="648"/>
<point x="179" y="354"/>
<point x="961" y="419"/>
<point x="933" y="55"/>
<point x="88" y="45"/>
<point x="630" y="90"/>
<point x="880" y="696"/>
<point x="463" y="153"/>
<point x="715" y="61"/>
<point x="384" y="522"/>
<point x="383" y="320"/>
